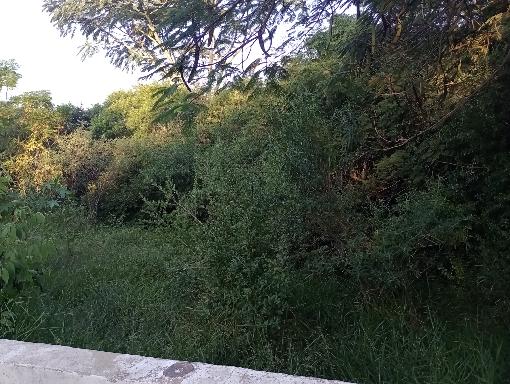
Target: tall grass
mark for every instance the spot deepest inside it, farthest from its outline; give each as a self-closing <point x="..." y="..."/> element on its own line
<point x="127" y="289"/>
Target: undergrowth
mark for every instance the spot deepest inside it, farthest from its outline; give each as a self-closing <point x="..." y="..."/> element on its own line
<point x="127" y="289"/>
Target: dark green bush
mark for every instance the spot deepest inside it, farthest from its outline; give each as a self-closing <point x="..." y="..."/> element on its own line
<point x="424" y="237"/>
<point x="18" y="248"/>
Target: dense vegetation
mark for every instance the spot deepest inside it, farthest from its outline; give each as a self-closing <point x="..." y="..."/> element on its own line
<point x="343" y="213"/>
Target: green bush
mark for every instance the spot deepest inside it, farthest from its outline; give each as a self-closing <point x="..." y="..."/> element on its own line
<point x="423" y="238"/>
<point x="336" y="219"/>
<point x="138" y="171"/>
<point x="108" y="125"/>
<point x="128" y="113"/>
<point x="116" y="178"/>
<point x="18" y="247"/>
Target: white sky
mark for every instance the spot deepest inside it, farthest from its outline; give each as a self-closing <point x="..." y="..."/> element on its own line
<point x="50" y="62"/>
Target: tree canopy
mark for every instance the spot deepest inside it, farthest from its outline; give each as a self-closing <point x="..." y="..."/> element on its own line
<point x="191" y="40"/>
<point x="8" y="74"/>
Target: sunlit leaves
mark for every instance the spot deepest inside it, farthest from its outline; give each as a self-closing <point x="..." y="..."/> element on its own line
<point x="8" y="74"/>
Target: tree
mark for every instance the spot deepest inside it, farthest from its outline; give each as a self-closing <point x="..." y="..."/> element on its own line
<point x="195" y="40"/>
<point x="9" y="132"/>
<point x="128" y="112"/>
<point x="37" y="119"/>
<point x="8" y="75"/>
<point x="73" y="117"/>
<point x="427" y="60"/>
<point x="191" y="40"/>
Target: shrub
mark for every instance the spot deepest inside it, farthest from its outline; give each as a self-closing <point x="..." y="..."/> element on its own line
<point x="116" y="177"/>
<point x="127" y="113"/>
<point x="17" y="248"/>
<point x="423" y="238"/>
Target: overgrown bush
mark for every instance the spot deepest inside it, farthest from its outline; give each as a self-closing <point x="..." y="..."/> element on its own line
<point x="115" y="177"/>
<point x="424" y="237"/>
<point x="31" y="163"/>
<point x="127" y="113"/>
<point x="18" y="247"/>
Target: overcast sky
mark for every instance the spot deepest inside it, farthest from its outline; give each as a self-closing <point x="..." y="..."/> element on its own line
<point x="50" y="62"/>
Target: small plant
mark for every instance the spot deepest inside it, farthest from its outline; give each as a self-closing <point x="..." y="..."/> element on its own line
<point x="17" y="248"/>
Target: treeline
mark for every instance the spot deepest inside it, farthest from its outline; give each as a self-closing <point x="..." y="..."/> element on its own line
<point x="363" y="173"/>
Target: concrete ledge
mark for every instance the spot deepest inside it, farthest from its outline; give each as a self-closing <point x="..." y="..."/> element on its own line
<point x="28" y="363"/>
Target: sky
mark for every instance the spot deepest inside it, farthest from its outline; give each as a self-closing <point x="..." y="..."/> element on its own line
<point x="50" y="62"/>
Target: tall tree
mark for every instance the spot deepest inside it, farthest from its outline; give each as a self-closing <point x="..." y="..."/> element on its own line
<point x="8" y="75"/>
<point x="212" y="40"/>
<point x="38" y="123"/>
<point x="428" y="59"/>
<point x="189" y="39"/>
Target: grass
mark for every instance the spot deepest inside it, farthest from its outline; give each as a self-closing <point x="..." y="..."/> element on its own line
<point x="127" y="289"/>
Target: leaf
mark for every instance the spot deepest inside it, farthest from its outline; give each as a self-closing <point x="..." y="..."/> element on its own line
<point x="9" y="266"/>
<point x="39" y="218"/>
<point x="4" y="275"/>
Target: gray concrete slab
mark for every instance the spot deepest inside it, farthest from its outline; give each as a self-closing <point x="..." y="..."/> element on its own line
<point x="29" y="363"/>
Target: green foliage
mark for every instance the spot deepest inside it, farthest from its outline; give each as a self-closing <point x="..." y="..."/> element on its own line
<point x="137" y="172"/>
<point x="254" y="217"/>
<point x="8" y="75"/>
<point x="9" y="132"/>
<point x="74" y="117"/>
<point x="336" y="217"/>
<point x="108" y="124"/>
<point x="83" y="160"/>
<point x="31" y="164"/>
<point x="116" y="178"/>
<point x="105" y="289"/>
<point x="423" y="238"/>
<point x="127" y="113"/>
<point x="18" y="248"/>
<point x="188" y="40"/>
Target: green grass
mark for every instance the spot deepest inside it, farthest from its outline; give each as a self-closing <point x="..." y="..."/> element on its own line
<point x="127" y="289"/>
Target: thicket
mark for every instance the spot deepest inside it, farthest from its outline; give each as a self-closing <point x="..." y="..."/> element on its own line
<point x="19" y="246"/>
<point x="356" y="177"/>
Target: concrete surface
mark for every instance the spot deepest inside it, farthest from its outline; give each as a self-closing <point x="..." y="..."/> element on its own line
<point x="28" y="363"/>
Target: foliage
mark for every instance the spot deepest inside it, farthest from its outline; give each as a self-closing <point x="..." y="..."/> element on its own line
<point x="353" y="199"/>
<point x="108" y="124"/>
<point x="424" y="238"/>
<point x="18" y="248"/>
<point x="253" y="219"/>
<point x="127" y="113"/>
<point x="74" y="117"/>
<point x="9" y="132"/>
<point x="187" y="40"/>
<point x="115" y="178"/>
<point x="8" y="75"/>
<point x="105" y="289"/>
<point x="82" y="160"/>
<point x="32" y="164"/>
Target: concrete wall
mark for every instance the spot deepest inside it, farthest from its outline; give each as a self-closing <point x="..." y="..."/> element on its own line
<point x="28" y="363"/>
